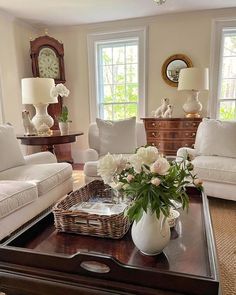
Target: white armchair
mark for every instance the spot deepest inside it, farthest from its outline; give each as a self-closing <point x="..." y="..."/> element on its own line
<point x="214" y="157"/>
<point x="93" y="154"/>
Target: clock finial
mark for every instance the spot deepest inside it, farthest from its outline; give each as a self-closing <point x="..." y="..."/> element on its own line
<point x="46" y="31"/>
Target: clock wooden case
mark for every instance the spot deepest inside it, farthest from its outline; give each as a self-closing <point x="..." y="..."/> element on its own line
<point x="47" y="55"/>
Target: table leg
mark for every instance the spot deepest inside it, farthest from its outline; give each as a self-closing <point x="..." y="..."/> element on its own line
<point x="49" y="148"/>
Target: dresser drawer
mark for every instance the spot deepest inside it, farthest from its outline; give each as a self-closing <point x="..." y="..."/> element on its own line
<point x="165" y="135"/>
<point x="155" y="124"/>
<point x="171" y="145"/>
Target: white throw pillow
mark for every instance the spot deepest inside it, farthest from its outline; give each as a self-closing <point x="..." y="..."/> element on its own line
<point x="10" y="152"/>
<point x="216" y="138"/>
<point x="117" y="137"/>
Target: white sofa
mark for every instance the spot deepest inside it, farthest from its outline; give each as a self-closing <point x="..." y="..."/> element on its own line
<point x="93" y="154"/>
<point x="28" y="185"/>
<point x="214" y="157"/>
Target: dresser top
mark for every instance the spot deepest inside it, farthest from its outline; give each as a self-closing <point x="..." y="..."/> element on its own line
<point x="172" y="119"/>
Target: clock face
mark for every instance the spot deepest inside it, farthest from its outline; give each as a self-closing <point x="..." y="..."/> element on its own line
<point x="48" y="64"/>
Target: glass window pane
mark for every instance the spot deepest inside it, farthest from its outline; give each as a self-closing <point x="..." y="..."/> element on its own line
<point x="106" y="56"/>
<point x="132" y="73"/>
<point x="119" y="93"/>
<point x="229" y="67"/>
<point x="131" y="54"/>
<point x="119" y="111"/>
<point x="132" y="92"/>
<point x="107" y="75"/>
<point x="131" y="110"/>
<point x="227" y="110"/>
<point x="118" y="74"/>
<point x="228" y="89"/>
<point x="229" y="45"/>
<point x="107" y="93"/>
<point x="107" y="112"/>
<point x="118" y="55"/>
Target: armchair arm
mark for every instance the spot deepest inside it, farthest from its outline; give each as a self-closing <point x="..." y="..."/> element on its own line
<point x="90" y="155"/>
<point x="184" y="151"/>
<point x="40" y="158"/>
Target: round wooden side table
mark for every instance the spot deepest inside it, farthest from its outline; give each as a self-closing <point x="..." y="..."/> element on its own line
<point x="48" y="142"/>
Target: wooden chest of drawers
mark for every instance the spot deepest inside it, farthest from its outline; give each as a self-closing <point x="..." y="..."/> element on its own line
<point x="168" y="135"/>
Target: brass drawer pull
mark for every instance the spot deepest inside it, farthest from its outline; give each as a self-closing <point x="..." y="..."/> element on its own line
<point x="153" y="144"/>
<point x="186" y="124"/>
<point x="194" y="134"/>
<point x="186" y="134"/>
<point x="194" y="124"/>
<point x="186" y="144"/>
<point x="153" y="124"/>
<point x="155" y="134"/>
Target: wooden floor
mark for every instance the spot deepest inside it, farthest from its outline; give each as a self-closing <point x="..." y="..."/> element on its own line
<point x="77" y="166"/>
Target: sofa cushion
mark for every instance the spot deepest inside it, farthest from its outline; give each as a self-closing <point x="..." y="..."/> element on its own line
<point x="215" y="168"/>
<point x="117" y="137"/>
<point x="11" y="155"/>
<point x="15" y="194"/>
<point x="45" y="176"/>
<point x="216" y="138"/>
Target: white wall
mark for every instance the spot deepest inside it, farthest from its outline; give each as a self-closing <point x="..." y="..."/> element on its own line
<point x="14" y="65"/>
<point x="186" y="33"/>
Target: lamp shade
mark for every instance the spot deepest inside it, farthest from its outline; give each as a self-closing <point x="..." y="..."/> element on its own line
<point x="37" y="90"/>
<point x="193" y="79"/>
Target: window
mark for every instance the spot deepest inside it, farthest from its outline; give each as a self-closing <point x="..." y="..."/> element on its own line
<point x="117" y="75"/>
<point x="227" y="81"/>
<point x="223" y="69"/>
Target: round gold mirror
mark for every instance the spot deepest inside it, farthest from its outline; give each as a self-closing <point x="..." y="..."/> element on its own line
<point x="172" y="67"/>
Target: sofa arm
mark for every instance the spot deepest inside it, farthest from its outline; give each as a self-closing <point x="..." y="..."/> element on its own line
<point x="184" y="151"/>
<point x="90" y="155"/>
<point x="40" y="158"/>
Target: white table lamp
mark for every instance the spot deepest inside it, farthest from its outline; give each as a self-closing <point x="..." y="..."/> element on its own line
<point x="195" y="80"/>
<point x="36" y="91"/>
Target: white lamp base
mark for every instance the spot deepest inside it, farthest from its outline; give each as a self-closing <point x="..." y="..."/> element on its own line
<point x="192" y="106"/>
<point x="42" y="120"/>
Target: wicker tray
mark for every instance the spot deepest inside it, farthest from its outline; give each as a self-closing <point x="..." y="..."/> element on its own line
<point x="114" y="226"/>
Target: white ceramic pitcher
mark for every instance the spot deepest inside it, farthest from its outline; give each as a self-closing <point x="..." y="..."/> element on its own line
<point x="151" y="235"/>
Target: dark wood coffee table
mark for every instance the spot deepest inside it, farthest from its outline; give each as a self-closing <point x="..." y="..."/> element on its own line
<point x="38" y="260"/>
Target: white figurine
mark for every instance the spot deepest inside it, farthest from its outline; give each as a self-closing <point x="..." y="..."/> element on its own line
<point x="169" y="111"/>
<point x="159" y="112"/>
<point x="28" y="125"/>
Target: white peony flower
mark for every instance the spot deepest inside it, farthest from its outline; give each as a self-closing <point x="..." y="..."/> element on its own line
<point x="148" y="154"/>
<point x="121" y="163"/>
<point x="160" y="166"/>
<point x="107" y="167"/>
<point x="156" y="181"/>
<point x="136" y="162"/>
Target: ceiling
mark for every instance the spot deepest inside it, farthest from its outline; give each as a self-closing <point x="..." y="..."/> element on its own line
<point x="75" y="12"/>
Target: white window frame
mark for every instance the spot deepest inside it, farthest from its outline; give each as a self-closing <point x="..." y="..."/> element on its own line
<point x="92" y="41"/>
<point x="218" y="25"/>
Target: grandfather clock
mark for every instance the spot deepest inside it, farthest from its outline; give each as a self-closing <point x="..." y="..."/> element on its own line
<point x="47" y="56"/>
